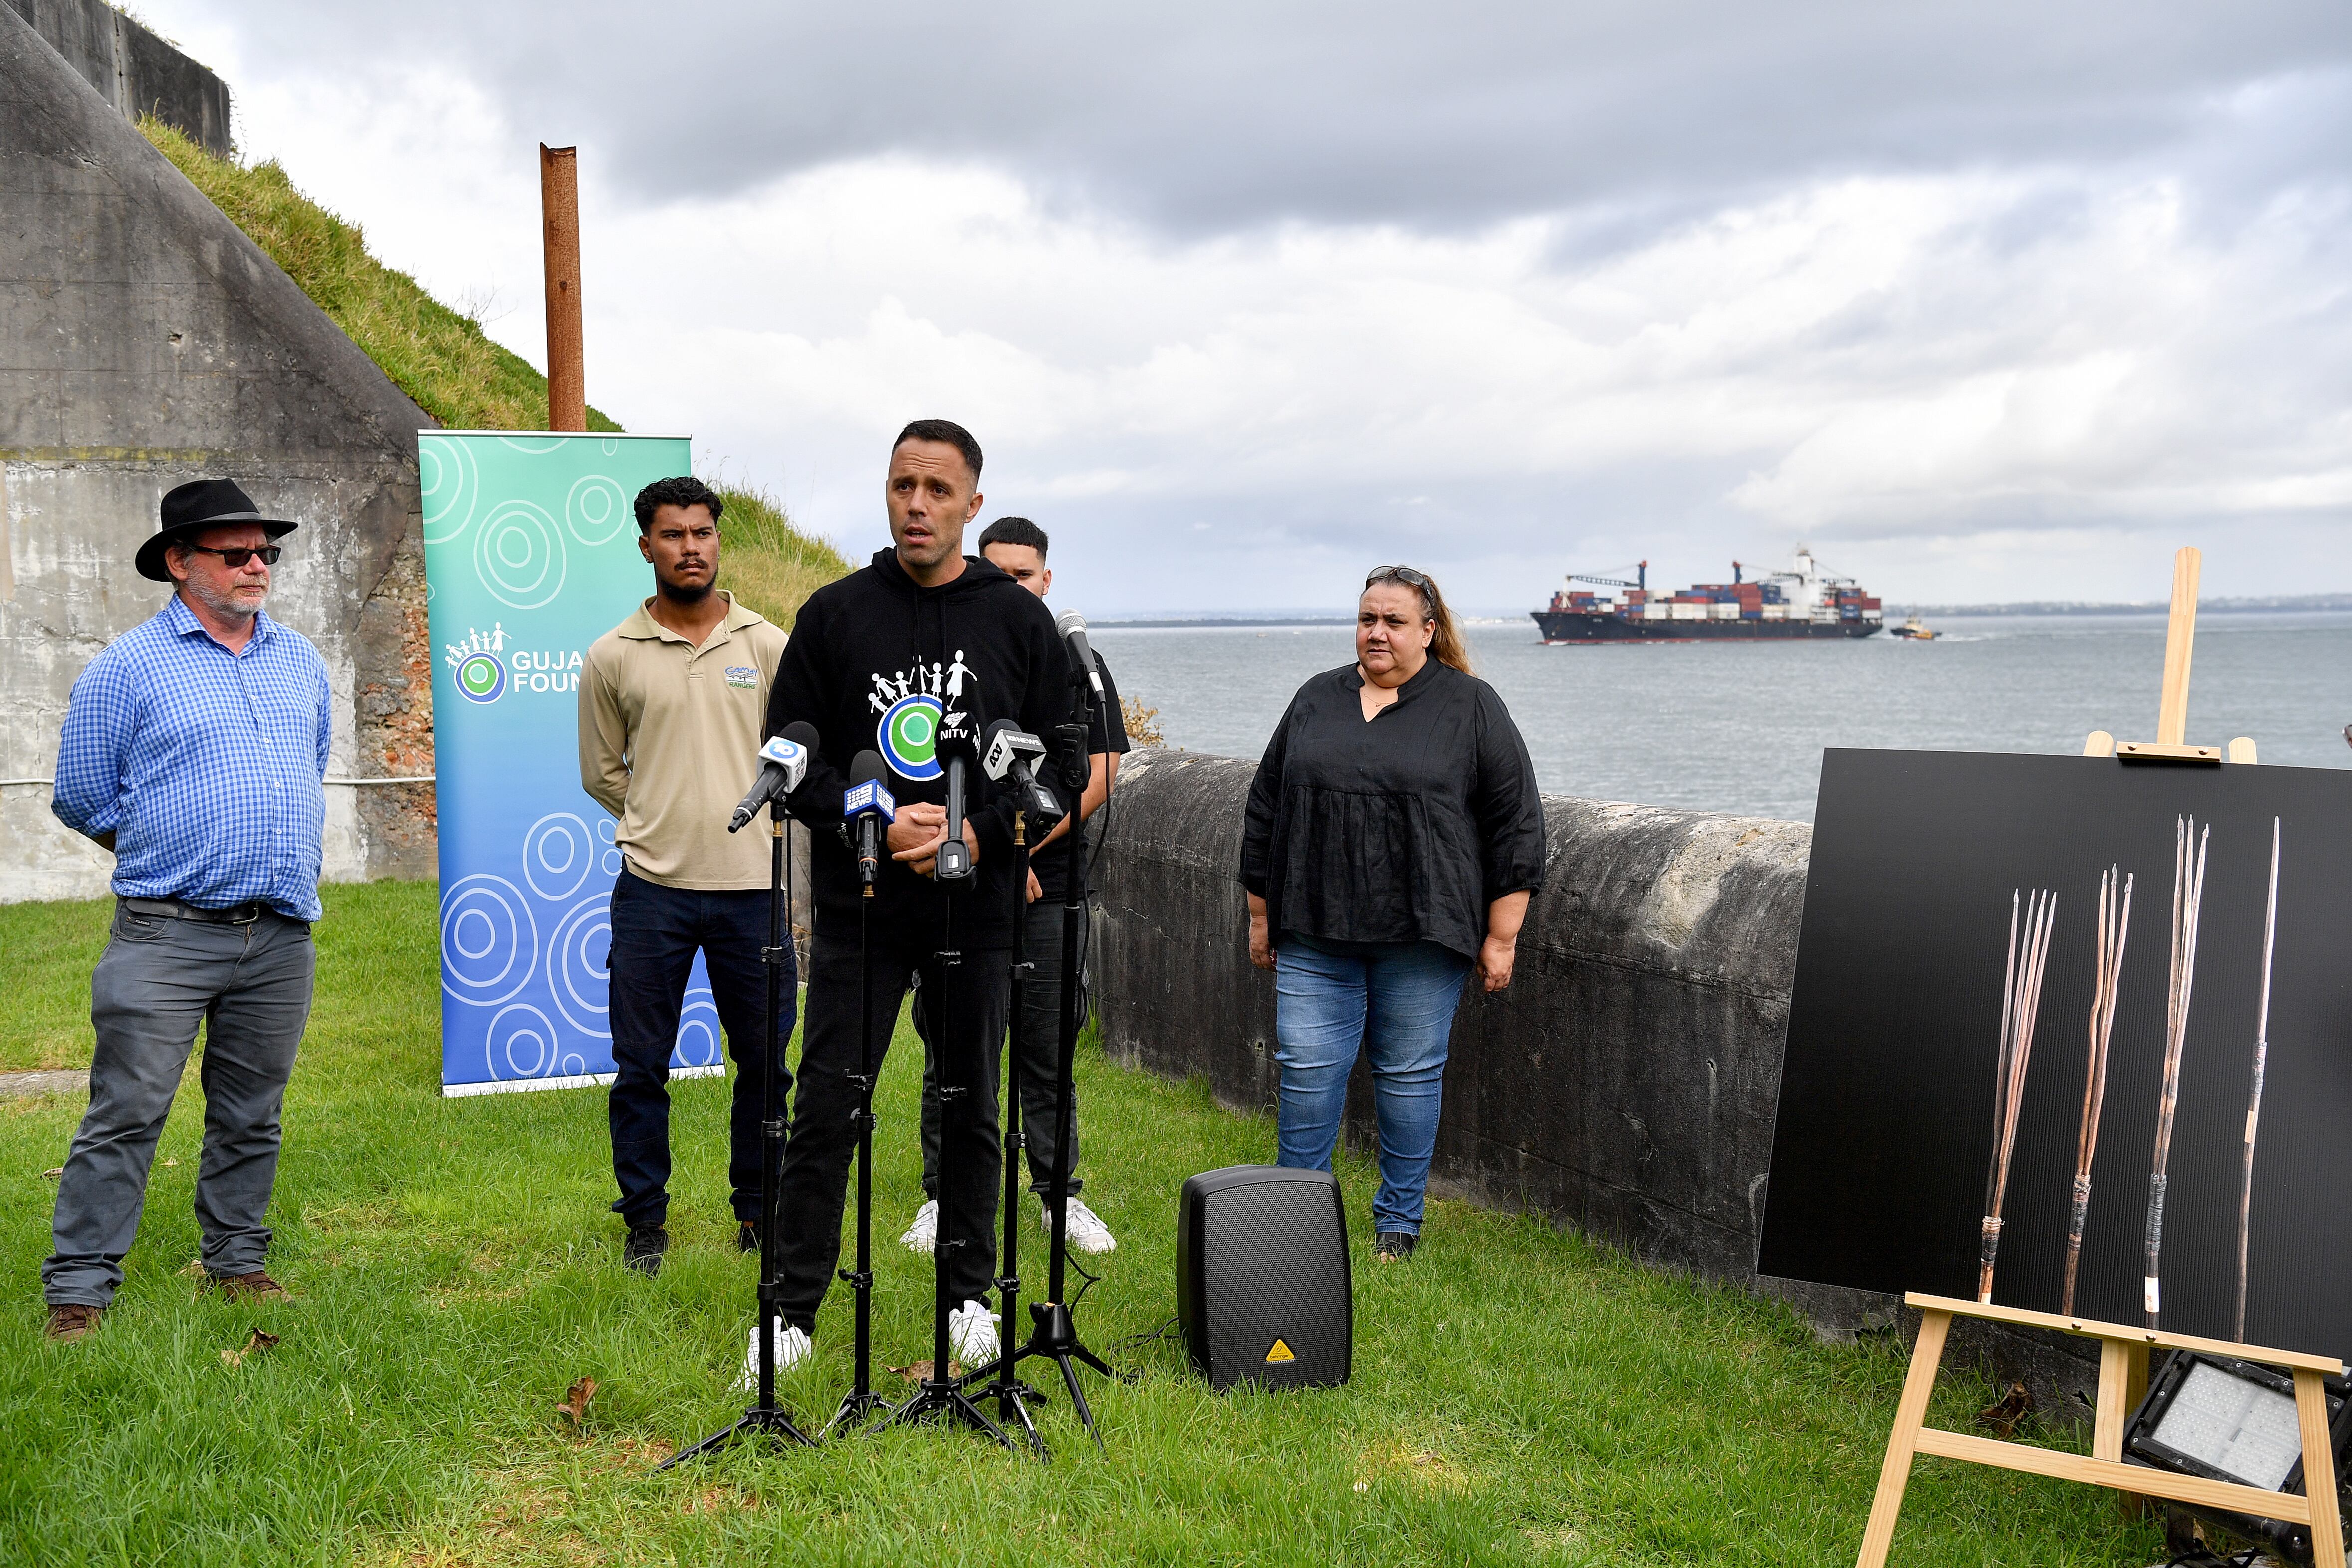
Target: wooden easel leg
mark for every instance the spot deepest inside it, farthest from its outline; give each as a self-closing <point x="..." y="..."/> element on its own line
<point x="1895" y="1474"/>
<point x="2318" y="1468"/>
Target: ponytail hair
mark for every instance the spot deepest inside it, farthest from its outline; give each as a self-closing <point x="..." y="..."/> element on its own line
<point x="1446" y="645"/>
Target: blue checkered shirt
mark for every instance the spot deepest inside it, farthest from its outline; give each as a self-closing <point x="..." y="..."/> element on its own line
<point x="205" y="765"/>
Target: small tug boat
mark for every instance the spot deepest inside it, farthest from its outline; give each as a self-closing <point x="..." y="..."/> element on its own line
<point x="1912" y="631"/>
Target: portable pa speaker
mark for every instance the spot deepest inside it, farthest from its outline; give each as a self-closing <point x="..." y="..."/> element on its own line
<point x="1261" y="1282"/>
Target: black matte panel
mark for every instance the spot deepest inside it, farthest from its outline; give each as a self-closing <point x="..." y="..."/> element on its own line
<point x="1885" y="1118"/>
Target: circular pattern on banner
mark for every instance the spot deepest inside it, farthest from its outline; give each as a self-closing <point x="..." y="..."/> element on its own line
<point x="580" y="968"/>
<point x="596" y="510"/>
<point x="489" y="943"/>
<point x="558" y="853"/>
<point x="611" y="446"/>
<point x="481" y="678"/>
<point x="537" y="446"/>
<point x="698" y="1030"/>
<point x="520" y="555"/>
<point x="450" y="486"/>
<point x="521" y="1042"/>
<point x="908" y="736"/>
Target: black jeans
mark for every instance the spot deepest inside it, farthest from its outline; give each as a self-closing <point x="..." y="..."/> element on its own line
<point x="655" y="930"/>
<point x="817" y="1159"/>
<point x="1041" y="1057"/>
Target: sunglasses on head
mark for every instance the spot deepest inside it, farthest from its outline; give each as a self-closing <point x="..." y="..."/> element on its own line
<point x="1404" y="574"/>
<point x="236" y="556"/>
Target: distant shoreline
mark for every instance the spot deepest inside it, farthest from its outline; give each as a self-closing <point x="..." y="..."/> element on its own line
<point x="1893" y="612"/>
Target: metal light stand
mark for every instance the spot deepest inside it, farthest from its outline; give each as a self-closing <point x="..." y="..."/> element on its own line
<point x="939" y="1398"/>
<point x="1055" y="1333"/>
<point x="1010" y="1392"/>
<point x="765" y="1419"/>
<point x="861" y="1404"/>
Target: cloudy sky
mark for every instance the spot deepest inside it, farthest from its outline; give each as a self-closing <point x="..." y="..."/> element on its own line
<point x="1984" y="301"/>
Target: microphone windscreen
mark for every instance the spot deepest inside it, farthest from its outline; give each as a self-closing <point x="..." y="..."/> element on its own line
<point x="988" y="736"/>
<point x="803" y="733"/>
<point x="866" y="768"/>
<point x="1069" y="621"/>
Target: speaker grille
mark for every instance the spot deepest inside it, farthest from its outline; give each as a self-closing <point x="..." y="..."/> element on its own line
<point x="1272" y="1282"/>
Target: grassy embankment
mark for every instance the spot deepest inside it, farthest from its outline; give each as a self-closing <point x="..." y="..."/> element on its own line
<point x="1520" y="1395"/>
<point x="450" y="368"/>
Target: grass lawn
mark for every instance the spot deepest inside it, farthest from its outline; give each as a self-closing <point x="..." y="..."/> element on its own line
<point x="1520" y="1395"/>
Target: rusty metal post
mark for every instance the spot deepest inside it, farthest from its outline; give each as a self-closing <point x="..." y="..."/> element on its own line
<point x="558" y="200"/>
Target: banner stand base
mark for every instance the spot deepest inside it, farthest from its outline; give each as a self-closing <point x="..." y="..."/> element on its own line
<point x="573" y="1080"/>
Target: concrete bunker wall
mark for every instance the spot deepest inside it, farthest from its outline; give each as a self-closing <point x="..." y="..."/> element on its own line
<point x="134" y="70"/>
<point x="146" y="341"/>
<point x="1626" y="1082"/>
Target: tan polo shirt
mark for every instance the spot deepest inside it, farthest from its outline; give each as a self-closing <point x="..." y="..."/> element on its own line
<point x="669" y="735"/>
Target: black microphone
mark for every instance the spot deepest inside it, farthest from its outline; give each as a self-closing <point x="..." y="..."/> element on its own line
<point x="1073" y="628"/>
<point x="1008" y="750"/>
<point x="869" y="805"/>
<point x="956" y="749"/>
<point x="783" y="763"/>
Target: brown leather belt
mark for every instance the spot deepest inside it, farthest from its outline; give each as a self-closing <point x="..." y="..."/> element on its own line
<point x="173" y="909"/>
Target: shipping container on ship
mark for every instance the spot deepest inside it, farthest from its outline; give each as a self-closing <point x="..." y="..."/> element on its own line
<point x="1803" y="601"/>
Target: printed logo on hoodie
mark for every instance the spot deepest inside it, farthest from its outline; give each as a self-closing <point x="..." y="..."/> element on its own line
<point x="910" y="703"/>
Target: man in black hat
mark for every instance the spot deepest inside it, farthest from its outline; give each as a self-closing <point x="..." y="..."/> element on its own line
<point x="194" y="748"/>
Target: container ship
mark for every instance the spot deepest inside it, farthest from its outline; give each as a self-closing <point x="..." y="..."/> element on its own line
<point x="1802" y="601"/>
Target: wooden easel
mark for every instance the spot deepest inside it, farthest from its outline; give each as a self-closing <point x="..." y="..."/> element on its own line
<point x="2123" y="1367"/>
<point x="2123" y="1351"/>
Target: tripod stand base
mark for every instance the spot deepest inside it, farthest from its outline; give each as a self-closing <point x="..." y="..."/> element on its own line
<point x="856" y="1411"/>
<point x="945" y="1402"/>
<point x="756" y="1422"/>
<point x="1054" y="1338"/>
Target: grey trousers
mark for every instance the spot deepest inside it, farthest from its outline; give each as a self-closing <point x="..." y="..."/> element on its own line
<point x="158" y="979"/>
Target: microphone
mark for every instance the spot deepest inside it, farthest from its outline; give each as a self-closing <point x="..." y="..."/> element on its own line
<point x="1009" y="749"/>
<point x="783" y="763"/>
<point x="869" y="805"/>
<point x="957" y="750"/>
<point x="1073" y="628"/>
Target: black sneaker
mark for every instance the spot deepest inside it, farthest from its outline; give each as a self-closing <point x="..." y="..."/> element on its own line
<point x="643" y="1251"/>
<point x="747" y="1236"/>
<point x="1394" y="1246"/>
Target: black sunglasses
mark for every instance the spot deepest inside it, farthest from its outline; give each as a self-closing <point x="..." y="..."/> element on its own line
<point x="234" y="558"/>
<point x="1404" y="574"/>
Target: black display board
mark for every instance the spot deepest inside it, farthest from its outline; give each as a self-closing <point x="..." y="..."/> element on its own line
<point x="1886" y="1115"/>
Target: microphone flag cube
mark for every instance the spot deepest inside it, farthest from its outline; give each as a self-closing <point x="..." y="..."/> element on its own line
<point x="789" y="754"/>
<point x="861" y="799"/>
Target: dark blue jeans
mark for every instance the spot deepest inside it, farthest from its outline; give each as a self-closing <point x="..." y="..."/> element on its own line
<point x="655" y="931"/>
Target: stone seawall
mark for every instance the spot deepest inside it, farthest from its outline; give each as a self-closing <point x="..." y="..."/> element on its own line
<point x="1625" y="1084"/>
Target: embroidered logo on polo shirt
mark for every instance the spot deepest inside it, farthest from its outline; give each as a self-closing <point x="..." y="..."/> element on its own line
<point x="742" y="675"/>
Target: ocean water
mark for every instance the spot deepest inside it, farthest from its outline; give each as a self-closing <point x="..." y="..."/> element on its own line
<point x="1740" y="726"/>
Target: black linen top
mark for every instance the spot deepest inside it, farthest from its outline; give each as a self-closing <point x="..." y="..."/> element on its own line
<point x="1402" y="828"/>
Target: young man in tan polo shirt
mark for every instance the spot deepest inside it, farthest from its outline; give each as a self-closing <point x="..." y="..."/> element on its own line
<point x="672" y="703"/>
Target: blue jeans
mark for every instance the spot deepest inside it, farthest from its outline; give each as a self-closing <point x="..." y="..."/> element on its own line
<point x="655" y="930"/>
<point x="1398" y="999"/>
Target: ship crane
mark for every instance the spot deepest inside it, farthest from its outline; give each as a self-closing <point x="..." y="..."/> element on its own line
<point x="1641" y="577"/>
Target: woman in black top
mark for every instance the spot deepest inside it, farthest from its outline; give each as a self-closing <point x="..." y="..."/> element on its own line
<point x="1394" y="835"/>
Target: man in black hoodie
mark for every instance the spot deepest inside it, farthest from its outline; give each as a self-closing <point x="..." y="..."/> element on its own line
<point x="876" y="662"/>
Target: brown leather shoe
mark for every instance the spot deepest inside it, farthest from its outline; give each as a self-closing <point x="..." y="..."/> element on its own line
<point x="254" y="1287"/>
<point x="68" y="1320"/>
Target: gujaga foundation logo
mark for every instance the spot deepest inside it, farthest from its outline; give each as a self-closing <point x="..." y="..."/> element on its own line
<point x="913" y="704"/>
<point x="475" y="664"/>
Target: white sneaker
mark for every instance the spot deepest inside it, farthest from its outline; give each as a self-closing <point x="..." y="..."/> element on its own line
<point x="1087" y="1233"/>
<point x="971" y="1334"/>
<point x="921" y="1236"/>
<point x="792" y="1348"/>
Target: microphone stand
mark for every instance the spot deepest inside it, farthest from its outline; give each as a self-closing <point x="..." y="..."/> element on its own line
<point x="1056" y="1334"/>
<point x="1009" y="1392"/>
<point x="766" y="1418"/>
<point x="940" y="1398"/>
<point x="861" y="1403"/>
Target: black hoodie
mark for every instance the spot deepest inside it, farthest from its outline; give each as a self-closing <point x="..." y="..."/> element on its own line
<point x="872" y="659"/>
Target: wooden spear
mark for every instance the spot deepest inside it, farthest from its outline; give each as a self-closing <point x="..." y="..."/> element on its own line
<point x="2188" y="893"/>
<point x="2020" y="1002"/>
<point x="2114" y="929"/>
<point x="2254" y="1099"/>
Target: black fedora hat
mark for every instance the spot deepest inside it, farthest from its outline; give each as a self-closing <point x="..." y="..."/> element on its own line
<point x="201" y="504"/>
